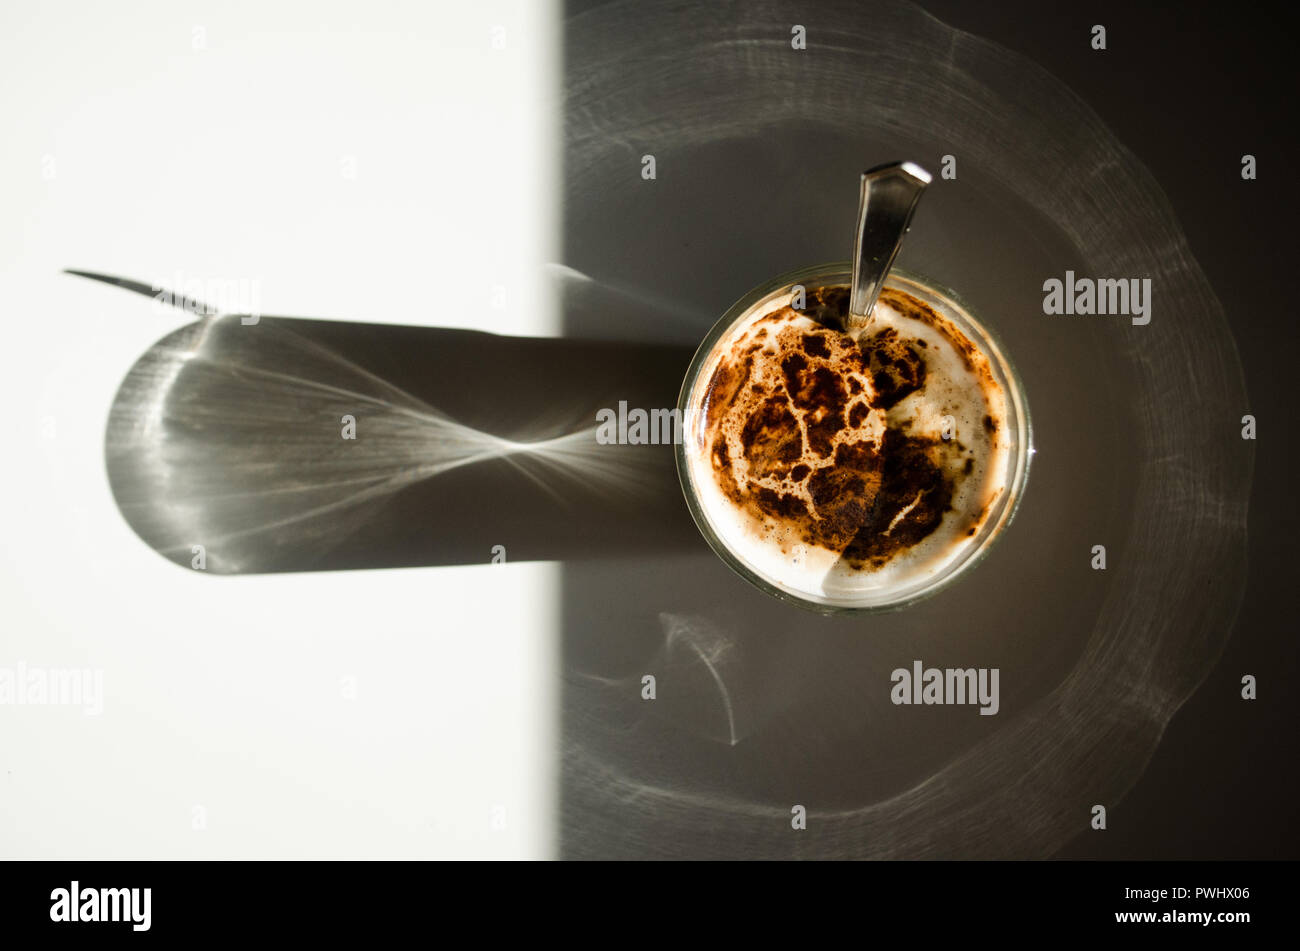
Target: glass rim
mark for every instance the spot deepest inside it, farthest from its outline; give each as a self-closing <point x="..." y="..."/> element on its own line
<point x="993" y="528"/>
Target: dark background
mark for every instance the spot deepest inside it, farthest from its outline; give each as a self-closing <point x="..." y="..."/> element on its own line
<point x="1189" y="89"/>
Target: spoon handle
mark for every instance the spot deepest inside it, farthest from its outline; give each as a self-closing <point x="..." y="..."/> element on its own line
<point x="889" y="196"/>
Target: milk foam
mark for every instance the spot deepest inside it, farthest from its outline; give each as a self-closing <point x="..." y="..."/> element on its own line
<point x="960" y="388"/>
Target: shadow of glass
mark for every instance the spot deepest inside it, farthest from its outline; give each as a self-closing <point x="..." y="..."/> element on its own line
<point x="292" y="444"/>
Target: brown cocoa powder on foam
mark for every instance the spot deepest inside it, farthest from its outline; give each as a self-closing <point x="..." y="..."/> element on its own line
<point x="867" y="499"/>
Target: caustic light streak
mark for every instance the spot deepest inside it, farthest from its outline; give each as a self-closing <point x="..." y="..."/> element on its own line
<point x="220" y="435"/>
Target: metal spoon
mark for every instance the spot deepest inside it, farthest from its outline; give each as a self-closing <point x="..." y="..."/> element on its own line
<point x="889" y="196"/>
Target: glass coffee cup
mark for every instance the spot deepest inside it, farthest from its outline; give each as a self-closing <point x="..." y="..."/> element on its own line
<point x="846" y="478"/>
